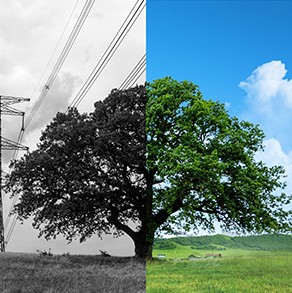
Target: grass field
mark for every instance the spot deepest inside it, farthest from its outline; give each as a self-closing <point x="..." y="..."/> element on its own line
<point x="237" y="271"/>
<point x="32" y="273"/>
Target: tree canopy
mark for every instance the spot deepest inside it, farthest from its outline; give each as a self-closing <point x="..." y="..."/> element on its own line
<point x="202" y="168"/>
<point x="85" y="177"/>
<point x="159" y="156"/>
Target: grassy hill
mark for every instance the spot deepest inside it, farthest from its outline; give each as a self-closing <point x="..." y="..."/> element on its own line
<point x="269" y="242"/>
<point x="247" y="264"/>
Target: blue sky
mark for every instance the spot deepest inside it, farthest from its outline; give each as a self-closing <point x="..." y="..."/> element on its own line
<point x="217" y="44"/>
<point x="238" y="52"/>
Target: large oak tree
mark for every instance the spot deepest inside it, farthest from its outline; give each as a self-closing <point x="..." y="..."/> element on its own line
<point x="159" y="157"/>
<point x="86" y="175"/>
<point x="202" y="169"/>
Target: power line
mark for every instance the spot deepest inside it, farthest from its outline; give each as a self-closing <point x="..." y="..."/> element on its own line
<point x="75" y="32"/>
<point x="134" y="75"/>
<point x="137" y="77"/>
<point x="96" y="73"/>
<point x="111" y="49"/>
<point x="11" y="228"/>
<point x="15" y="198"/>
<point x="7" y="144"/>
<point x="20" y="137"/>
<point x="106" y="57"/>
<point x="57" y="45"/>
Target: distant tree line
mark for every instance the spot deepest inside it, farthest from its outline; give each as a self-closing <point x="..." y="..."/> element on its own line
<point x="222" y="242"/>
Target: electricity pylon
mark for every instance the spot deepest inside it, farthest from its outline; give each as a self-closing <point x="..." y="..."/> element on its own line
<point x="7" y="144"/>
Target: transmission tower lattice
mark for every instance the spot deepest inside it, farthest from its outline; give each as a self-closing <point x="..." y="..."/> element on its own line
<point x="7" y="144"/>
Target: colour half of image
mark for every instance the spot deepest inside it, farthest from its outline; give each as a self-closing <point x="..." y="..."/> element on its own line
<point x="219" y="146"/>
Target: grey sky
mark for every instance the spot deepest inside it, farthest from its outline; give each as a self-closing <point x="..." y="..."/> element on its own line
<point x="29" y="32"/>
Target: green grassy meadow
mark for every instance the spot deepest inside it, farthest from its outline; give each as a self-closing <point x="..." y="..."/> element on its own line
<point x="238" y="270"/>
<point x="33" y="273"/>
<point x="247" y="265"/>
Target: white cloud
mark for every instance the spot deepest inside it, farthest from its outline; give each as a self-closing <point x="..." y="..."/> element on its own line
<point x="269" y="101"/>
<point x="57" y="100"/>
<point x="267" y="83"/>
<point x="275" y="156"/>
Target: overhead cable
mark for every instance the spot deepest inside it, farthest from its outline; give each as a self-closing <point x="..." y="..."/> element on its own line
<point x="111" y="49"/>
<point x="57" y="45"/>
<point x="75" y="32"/>
<point x="134" y="75"/>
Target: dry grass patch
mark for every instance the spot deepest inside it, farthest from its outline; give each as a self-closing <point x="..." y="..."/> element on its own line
<point x="76" y="273"/>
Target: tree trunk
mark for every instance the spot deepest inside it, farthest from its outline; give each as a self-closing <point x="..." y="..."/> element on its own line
<point x="149" y="245"/>
<point x="140" y="249"/>
<point x="144" y="246"/>
<point x="148" y="220"/>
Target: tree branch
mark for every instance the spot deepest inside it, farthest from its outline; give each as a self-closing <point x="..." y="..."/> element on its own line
<point x="163" y="214"/>
<point x="113" y="219"/>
